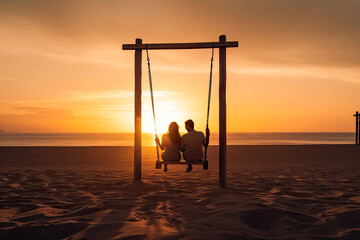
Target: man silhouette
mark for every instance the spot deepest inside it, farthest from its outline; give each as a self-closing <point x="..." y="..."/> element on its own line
<point x="191" y="144"/>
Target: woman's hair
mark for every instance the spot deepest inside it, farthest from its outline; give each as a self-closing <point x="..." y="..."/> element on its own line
<point x="174" y="133"/>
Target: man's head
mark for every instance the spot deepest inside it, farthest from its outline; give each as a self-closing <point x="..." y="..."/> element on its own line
<point x="189" y="125"/>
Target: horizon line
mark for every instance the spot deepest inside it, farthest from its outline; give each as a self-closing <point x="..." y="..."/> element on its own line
<point x="3" y="131"/>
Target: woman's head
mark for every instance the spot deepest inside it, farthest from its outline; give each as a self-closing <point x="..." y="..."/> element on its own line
<point x="174" y="133"/>
<point x="173" y="127"/>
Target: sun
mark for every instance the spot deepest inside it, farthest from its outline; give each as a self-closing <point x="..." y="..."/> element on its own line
<point x="165" y="114"/>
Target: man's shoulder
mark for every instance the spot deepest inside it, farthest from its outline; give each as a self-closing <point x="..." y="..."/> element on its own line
<point x="200" y="133"/>
<point x="184" y="136"/>
<point x="192" y="133"/>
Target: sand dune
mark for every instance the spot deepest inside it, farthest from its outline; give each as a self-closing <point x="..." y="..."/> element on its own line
<point x="275" y="192"/>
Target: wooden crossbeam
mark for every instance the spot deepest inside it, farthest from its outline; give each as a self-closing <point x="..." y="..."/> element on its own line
<point x="198" y="45"/>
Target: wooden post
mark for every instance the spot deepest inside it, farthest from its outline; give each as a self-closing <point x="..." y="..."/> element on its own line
<point x="222" y="113"/>
<point x="137" y="137"/>
<point x="357" y="128"/>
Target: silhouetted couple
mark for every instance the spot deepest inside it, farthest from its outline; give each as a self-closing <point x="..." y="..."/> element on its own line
<point x="190" y="144"/>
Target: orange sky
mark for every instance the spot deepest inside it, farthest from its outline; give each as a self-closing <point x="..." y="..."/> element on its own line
<point x="63" y="70"/>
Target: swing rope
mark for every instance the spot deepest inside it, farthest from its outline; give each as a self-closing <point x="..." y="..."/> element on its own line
<point x="208" y="107"/>
<point x="152" y="100"/>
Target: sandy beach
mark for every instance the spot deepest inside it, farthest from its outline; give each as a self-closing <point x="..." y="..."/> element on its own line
<point x="274" y="192"/>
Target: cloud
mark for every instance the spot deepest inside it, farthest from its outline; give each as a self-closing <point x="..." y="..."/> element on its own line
<point x="98" y="110"/>
<point x="322" y="32"/>
<point x="87" y="59"/>
<point x="114" y="94"/>
<point x="40" y="112"/>
<point x="351" y="75"/>
<point x="39" y="119"/>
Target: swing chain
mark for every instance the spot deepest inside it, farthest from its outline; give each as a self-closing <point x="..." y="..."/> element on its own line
<point x="152" y="100"/>
<point x="208" y="107"/>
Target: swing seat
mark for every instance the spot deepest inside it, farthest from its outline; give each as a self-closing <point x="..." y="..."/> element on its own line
<point x="204" y="163"/>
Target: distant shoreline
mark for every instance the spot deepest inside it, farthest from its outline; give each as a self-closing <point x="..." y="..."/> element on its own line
<point x="114" y="157"/>
<point x="127" y="139"/>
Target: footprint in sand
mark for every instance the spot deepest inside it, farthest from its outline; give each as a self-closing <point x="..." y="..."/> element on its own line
<point x="275" y="190"/>
<point x="337" y="193"/>
<point x="15" y="185"/>
<point x="356" y="199"/>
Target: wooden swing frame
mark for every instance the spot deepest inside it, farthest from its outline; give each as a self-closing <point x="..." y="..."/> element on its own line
<point x="222" y="45"/>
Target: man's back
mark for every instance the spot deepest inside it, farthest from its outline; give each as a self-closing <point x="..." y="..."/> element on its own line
<point x="191" y="144"/>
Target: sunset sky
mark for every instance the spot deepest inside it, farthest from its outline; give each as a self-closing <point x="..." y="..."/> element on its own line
<point x="62" y="68"/>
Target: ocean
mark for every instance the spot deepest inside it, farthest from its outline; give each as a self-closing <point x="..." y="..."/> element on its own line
<point x="126" y="139"/>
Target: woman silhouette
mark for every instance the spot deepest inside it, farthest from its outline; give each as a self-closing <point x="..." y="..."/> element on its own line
<point x="171" y="143"/>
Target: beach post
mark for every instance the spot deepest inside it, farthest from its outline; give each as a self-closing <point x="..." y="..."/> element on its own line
<point x="222" y="113"/>
<point x="357" y="128"/>
<point x="137" y="137"/>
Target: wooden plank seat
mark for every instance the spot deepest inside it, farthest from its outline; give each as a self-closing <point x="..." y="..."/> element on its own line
<point x="204" y="163"/>
<point x="181" y="162"/>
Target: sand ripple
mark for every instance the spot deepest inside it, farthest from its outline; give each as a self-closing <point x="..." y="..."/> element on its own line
<point x="273" y="193"/>
<point x="105" y="205"/>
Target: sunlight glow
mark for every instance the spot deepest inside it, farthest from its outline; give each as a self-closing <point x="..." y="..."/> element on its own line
<point x="165" y="114"/>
